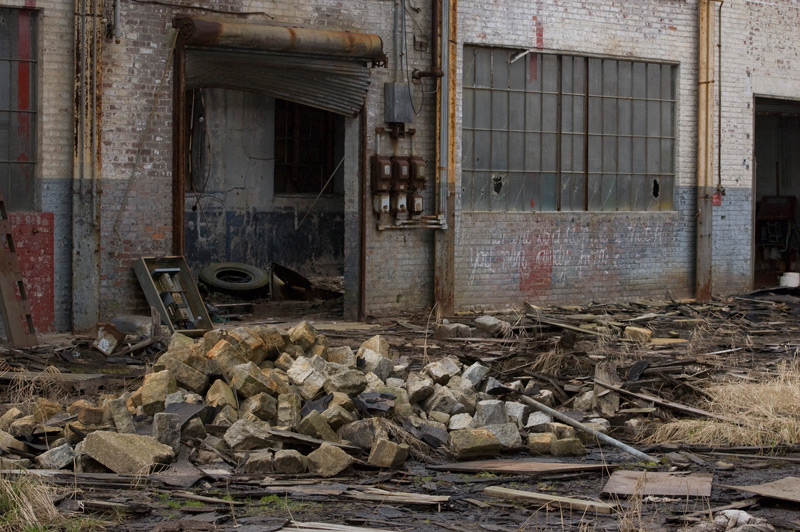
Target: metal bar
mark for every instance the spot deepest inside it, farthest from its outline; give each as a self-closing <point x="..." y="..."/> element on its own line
<point x="580" y="426"/>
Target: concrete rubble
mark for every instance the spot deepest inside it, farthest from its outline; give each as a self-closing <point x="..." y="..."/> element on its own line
<point x="250" y="380"/>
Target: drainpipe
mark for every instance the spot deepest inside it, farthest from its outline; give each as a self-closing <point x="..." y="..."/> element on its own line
<point x="705" y="150"/>
<point x="436" y="70"/>
<point x="444" y="261"/>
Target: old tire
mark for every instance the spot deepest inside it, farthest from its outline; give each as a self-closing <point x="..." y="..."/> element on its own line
<point x="234" y="276"/>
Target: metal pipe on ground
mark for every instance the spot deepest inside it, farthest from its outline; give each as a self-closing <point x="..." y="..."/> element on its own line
<point x="580" y="426"/>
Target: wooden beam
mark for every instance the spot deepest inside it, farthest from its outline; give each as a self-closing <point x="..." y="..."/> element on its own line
<point x="542" y="499"/>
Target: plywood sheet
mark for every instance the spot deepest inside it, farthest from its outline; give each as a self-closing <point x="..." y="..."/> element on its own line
<point x="655" y="483"/>
<point x="787" y="489"/>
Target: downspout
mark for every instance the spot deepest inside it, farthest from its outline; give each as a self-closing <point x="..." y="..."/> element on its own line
<point x="444" y="261"/>
<point x="436" y="69"/>
<point x="705" y="150"/>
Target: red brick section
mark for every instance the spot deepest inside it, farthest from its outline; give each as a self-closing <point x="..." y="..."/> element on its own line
<point x="33" y="238"/>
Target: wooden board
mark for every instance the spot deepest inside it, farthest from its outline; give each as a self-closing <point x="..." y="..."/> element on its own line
<point x="787" y="489"/>
<point x="564" y="503"/>
<point x="520" y="466"/>
<point x="662" y="484"/>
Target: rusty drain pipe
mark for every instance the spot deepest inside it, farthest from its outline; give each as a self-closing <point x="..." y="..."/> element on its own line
<point x="435" y="70"/>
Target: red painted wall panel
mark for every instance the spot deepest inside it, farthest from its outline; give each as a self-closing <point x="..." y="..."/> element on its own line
<point x="33" y="237"/>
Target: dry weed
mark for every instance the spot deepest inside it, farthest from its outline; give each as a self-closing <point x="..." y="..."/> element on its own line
<point x="769" y="412"/>
<point x="22" y="392"/>
<point x="26" y="502"/>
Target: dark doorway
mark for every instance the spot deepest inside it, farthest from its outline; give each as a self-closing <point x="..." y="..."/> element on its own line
<point x="777" y="187"/>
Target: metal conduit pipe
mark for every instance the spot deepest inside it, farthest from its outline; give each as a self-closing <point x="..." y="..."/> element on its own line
<point x="436" y="70"/>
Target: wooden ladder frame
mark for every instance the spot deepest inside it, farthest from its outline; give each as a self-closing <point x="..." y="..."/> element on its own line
<point x="16" y="311"/>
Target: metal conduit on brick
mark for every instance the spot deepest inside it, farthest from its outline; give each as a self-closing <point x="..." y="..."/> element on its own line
<point x="320" y="68"/>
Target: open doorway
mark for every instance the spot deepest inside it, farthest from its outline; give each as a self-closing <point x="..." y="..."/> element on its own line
<point x="777" y="187"/>
<point x="264" y="184"/>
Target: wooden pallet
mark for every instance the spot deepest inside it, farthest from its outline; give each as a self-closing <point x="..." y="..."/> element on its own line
<point x="14" y="304"/>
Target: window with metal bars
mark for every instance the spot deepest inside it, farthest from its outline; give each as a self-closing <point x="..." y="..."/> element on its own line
<point x="18" y="56"/>
<point x="557" y="132"/>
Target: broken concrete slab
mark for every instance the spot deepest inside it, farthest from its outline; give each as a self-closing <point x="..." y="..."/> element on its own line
<point x="126" y="453"/>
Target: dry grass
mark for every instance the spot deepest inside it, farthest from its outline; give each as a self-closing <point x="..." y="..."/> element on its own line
<point x="769" y="412"/>
<point x="26" y="503"/>
<point x="22" y="392"/>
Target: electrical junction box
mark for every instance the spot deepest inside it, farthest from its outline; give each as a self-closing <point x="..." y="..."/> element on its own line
<point x="401" y="172"/>
<point x="398" y="203"/>
<point x="415" y="204"/>
<point x="418" y="172"/>
<point x="397" y="106"/>
<point x="381" y="173"/>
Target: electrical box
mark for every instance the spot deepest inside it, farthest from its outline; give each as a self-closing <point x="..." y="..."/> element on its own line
<point x="397" y="106"/>
<point x="398" y="203"/>
<point x="418" y="172"/>
<point x="415" y="204"/>
<point x="381" y="173"/>
<point x="401" y="174"/>
<point x="380" y="202"/>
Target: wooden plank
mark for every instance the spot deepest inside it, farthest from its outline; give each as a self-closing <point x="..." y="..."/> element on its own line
<point x="669" y="404"/>
<point x="786" y="489"/>
<point x="629" y="483"/>
<point x="564" y="503"/>
<point x="520" y="466"/>
<point x="396" y="497"/>
<point x="326" y="527"/>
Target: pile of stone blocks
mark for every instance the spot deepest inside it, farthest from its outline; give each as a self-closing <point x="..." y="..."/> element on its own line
<point x="248" y="381"/>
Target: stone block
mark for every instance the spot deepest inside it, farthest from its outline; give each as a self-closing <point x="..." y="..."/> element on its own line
<point x="363" y="433"/>
<point x="303" y="335"/>
<point x="490" y="412"/>
<point x="464" y="393"/>
<point x="584" y="402"/>
<point x="588" y="439"/>
<point x="290" y="461"/>
<point x="314" y="425"/>
<point x="194" y="429"/>
<point x="284" y="361"/>
<point x="220" y="394"/>
<point x="120" y="416"/>
<point x="546" y="397"/>
<point x="460" y="422"/>
<point x="248" y="380"/>
<point x="507" y="434"/>
<point x="494" y="326"/>
<point x="44" y="409"/>
<point x="337" y="416"/>
<point x="537" y="422"/>
<point x="272" y="338"/>
<point x="442" y="370"/>
<point x="561" y="430"/>
<point x="186" y="376"/>
<point x="475" y="374"/>
<point x="289" y="406"/>
<point x="376" y="363"/>
<point x="374" y="383"/>
<point x="278" y="380"/>
<point x="451" y="330"/>
<point x="439" y="417"/>
<point x="517" y="412"/>
<point x="442" y="400"/>
<point x="343" y="400"/>
<point x="388" y="454"/>
<point x="377" y="344"/>
<point x="23" y="427"/>
<point x="473" y="443"/>
<point x="262" y="405"/>
<point x="226" y="416"/>
<point x="90" y="415"/>
<point x="155" y="389"/>
<point x="226" y="356"/>
<point x="126" y="453"/>
<point x="350" y="382"/>
<point x="259" y="462"/>
<point x="245" y="435"/>
<point x="11" y="415"/>
<point x="249" y="343"/>
<point x="328" y="461"/>
<point x="9" y="443"/>
<point x="567" y="447"/>
<point x="342" y="355"/>
<point x="318" y="349"/>
<point x="419" y="387"/>
<point x="541" y="442"/>
<point x="167" y="430"/>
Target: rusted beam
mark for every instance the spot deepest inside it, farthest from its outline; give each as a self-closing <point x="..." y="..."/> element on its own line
<point x="199" y="31"/>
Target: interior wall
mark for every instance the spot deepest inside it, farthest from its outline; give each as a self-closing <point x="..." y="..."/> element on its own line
<point x="234" y="214"/>
<point x="777" y="161"/>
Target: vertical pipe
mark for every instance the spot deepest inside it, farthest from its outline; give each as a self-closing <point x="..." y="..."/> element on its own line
<point x="705" y="150"/>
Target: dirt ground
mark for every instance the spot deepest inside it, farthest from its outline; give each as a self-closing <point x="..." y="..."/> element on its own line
<point x="745" y="339"/>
